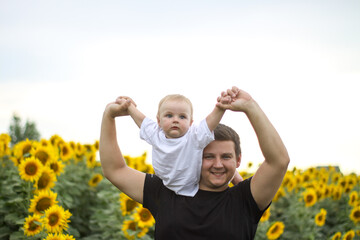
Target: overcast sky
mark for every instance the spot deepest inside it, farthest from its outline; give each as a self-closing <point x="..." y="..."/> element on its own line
<point x="61" y="62"/>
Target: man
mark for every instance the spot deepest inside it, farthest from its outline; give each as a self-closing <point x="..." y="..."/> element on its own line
<point x="216" y="211"/>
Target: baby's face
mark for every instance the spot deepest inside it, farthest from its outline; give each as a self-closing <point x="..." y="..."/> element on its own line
<point x="175" y="118"/>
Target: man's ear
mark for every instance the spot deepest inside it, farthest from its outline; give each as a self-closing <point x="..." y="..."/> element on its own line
<point x="238" y="161"/>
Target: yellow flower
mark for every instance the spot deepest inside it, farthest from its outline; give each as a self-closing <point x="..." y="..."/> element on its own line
<point x="66" y="152"/>
<point x="56" y="219"/>
<point x="42" y="201"/>
<point x="5" y="139"/>
<point x="68" y="237"/>
<point x="337" y="192"/>
<point x="30" y="169"/>
<point x="46" y="180"/>
<point x="91" y="160"/>
<point x="55" y="236"/>
<point x="130" y="228"/>
<point x="354" y="196"/>
<point x="143" y="217"/>
<point x="56" y="166"/>
<point x="265" y="216"/>
<point x="355" y="214"/>
<point x="349" y="235"/>
<point x="94" y="181"/>
<point x="310" y="197"/>
<point x="32" y="225"/>
<point x="275" y="230"/>
<point x="55" y="140"/>
<point x="127" y="204"/>
<point x="22" y="148"/>
<point x="320" y="217"/>
<point x="44" y="154"/>
<point x="336" y="236"/>
<point x="280" y="193"/>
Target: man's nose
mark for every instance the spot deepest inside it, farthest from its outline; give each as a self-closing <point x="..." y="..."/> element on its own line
<point x="217" y="162"/>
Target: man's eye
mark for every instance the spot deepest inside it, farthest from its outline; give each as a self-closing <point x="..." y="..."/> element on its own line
<point x="208" y="157"/>
<point x="227" y="157"/>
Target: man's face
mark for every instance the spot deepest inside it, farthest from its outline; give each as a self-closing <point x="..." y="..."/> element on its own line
<point x="218" y="166"/>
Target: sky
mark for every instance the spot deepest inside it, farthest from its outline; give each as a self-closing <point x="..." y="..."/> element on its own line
<point x="61" y="62"/>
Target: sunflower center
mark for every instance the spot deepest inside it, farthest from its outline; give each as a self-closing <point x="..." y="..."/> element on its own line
<point x="275" y="229"/>
<point x="309" y="198"/>
<point x="65" y="151"/>
<point x="357" y="214"/>
<point x="130" y="205"/>
<point x="132" y="226"/>
<point x="54" y="219"/>
<point x="96" y="180"/>
<point x="33" y="226"/>
<point x="54" y="167"/>
<point x="31" y="169"/>
<point x="43" y="204"/>
<point x="43" y="181"/>
<point x="26" y="149"/>
<point x="145" y="215"/>
<point x="42" y="156"/>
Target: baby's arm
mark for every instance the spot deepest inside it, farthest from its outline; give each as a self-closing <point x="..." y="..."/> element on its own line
<point x="214" y="118"/>
<point x="136" y="115"/>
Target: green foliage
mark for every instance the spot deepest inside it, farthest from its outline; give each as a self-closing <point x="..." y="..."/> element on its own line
<point x="19" y="133"/>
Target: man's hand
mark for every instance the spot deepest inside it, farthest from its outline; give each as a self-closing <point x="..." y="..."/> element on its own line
<point x="234" y="99"/>
<point x="119" y="107"/>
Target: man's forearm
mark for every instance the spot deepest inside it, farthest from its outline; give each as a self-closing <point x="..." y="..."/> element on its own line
<point x="110" y="154"/>
<point x="270" y="142"/>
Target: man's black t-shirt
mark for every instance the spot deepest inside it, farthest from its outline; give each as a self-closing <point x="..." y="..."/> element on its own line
<point x="230" y="214"/>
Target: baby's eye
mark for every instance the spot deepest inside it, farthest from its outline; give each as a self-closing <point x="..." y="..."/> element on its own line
<point x="168" y="115"/>
<point x="182" y="117"/>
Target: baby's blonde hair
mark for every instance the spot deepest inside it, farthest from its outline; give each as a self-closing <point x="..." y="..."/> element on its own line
<point x="178" y="97"/>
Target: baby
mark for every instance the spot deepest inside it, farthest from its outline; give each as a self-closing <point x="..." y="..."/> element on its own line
<point x="177" y="143"/>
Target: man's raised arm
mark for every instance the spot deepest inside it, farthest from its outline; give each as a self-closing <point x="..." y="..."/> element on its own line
<point x="126" y="179"/>
<point x="268" y="178"/>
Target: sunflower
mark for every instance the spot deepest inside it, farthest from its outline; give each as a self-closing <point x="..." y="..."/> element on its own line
<point x="65" y="151"/>
<point x="144" y="217"/>
<point x="354" y="196"/>
<point x="96" y="145"/>
<point x="55" y="140"/>
<point x="68" y="237"/>
<point x="275" y="230"/>
<point x="55" y="236"/>
<point x="336" y="236"/>
<point x="56" y="166"/>
<point x="349" y="235"/>
<point x="310" y="197"/>
<point x="265" y="216"/>
<point x="32" y="225"/>
<point x="56" y="219"/>
<point x="336" y="193"/>
<point x="22" y="148"/>
<point x="320" y="217"/>
<point x="30" y="169"/>
<point x="355" y="214"/>
<point x="127" y="204"/>
<point x="42" y="201"/>
<point x="5" y="139"/>
<point x="44" y="154"/>
<point x="46" y="180"/>
<point x="134" y="229"/>
<point x="94" y="181"/>
<point x="280" y="193"/>
<point x="91" y="160"/>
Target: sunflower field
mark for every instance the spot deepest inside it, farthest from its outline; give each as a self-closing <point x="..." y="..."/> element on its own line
<point x="55" y="190"/>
